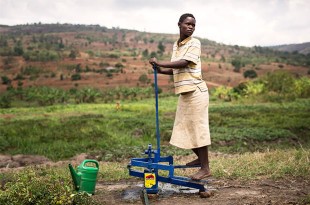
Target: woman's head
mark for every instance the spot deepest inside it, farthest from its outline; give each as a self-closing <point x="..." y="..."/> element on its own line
<point x="184" y="16"/>
<point x="187" y="24"/>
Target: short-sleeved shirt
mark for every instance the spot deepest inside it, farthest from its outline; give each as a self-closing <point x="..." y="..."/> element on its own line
<point x="187" y="79"/>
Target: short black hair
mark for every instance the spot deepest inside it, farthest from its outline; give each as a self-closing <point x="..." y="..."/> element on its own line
<point x="184" y="16"/>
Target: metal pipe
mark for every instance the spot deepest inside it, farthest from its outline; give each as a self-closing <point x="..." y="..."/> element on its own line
<point x="157" y="155"/>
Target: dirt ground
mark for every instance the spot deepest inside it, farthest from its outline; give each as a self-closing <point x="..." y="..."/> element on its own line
<point x="224" y="191"/>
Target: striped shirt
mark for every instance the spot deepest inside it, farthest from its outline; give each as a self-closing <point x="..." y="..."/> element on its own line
<point x="187" y="79"/>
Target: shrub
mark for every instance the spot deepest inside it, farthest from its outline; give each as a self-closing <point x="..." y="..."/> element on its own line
<point x="145" y="53"/>
<point x="237" y="64"/>
<point x="144" y="79"/>
<point x="225" y="93"/>
<point x="302" y="87"/>
<point x="250" y="74"/>
<point x="113" y="55"/>
<point x="76" y="76"/>
<point x="5" y="101"/>
<point x="73" y="54"/>
<point x="5" y="80"/>
<point x="280" y="82"/>
<point x="119" y="65"/>
<point x="31" y="70"/>
<point x="45" y="95"/>
<point x="42" y="55"/>
<point x="19" y="76"/>
<point x="254" y="88"/>
<point x="87" y="95"/>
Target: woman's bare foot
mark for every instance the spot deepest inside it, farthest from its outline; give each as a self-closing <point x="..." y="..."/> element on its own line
<point x="194" y="162"/>
<point x="202" y="173"/>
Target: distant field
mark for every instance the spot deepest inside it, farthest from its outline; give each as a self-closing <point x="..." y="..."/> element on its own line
<point x="62" y="131"/>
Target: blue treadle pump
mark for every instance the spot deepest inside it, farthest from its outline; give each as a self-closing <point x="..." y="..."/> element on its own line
<point x="154" y="162"/>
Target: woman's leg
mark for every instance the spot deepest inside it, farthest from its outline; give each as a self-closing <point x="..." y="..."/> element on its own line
<point x="195" y="161"/>
<point x="204" y="160"/>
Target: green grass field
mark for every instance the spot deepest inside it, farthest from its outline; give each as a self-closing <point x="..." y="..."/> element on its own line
<point x="270" y="140"/>
<point x="62" y="131"/>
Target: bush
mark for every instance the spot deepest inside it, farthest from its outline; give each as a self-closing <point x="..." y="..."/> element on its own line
<point x="5" y="80"/>
<point x="275" y="87"/>
<point x="144" y="79"/>
<point x="302" y="87"/>
<point x="119" y="65"/>
<point x="76" y="76"/>
<point x="5" y="101"/>
<point x="254" y="88"/>
<point x="42" y="55"/>
<point x="250" y="74"/>
<point x="280" y="82"/>
<point x="225" y="93"/>
<point x="45" y="95"/>
<point x="237" y="64"/>
<point x="87" y="95"/>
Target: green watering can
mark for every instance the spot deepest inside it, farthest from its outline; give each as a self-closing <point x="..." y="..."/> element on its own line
<point x="84" y="179"/>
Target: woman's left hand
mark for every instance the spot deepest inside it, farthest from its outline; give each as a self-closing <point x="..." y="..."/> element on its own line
<point x="153" y="61"/>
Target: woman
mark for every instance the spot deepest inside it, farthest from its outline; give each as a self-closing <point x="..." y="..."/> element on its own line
<point x="191" y="125"/>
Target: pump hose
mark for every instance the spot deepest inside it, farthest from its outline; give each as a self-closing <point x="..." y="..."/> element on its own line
<point x="145" y="199"/>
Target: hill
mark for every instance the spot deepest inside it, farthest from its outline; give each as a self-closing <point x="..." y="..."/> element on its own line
<point x="303" y="48"/>
<point x="72" y="56"/>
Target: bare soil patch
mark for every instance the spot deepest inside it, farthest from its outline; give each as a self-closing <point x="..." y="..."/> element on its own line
<point x="226" y="192"/>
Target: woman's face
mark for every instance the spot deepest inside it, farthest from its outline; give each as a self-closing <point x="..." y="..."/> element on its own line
<point x="187" y="27"/>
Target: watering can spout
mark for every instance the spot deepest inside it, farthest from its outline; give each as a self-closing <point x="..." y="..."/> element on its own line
<point x="75" y="178"/>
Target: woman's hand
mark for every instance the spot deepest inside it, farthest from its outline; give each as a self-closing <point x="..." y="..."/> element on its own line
<point x="153" y="61"/>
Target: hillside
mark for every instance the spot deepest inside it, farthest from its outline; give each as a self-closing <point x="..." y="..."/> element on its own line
<point x="74" y="56"/>
<point x="303" y="48"/>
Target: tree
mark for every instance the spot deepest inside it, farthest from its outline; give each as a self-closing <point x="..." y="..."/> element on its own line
<point x="18" y="49"/>
<point x="153" y="54"/>
<point x="3" y="41"/>
<point x="280" y="82"/>
<point x="78" y="68"/>
<point x="145" y="53"/>
<point x="144" y="79"/>
<point x="237" y="64"/>
<point x="161" y="48"/>
<point x="223" y="58"/>
<point x="73" y="54"/>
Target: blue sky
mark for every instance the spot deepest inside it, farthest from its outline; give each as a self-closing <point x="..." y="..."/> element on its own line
<point x="233" y="22"/>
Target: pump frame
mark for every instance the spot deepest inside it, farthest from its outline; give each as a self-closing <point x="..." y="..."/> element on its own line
<point x="154" y="162"/>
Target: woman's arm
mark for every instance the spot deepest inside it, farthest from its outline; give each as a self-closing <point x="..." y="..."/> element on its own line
<point x="168" y="65"/>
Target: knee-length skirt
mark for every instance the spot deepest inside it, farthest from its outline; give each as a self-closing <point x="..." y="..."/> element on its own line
<point x="191" y="125"/>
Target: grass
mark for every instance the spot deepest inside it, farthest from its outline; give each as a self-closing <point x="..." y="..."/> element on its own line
<point x="272" y="164"/>
<point x="268" y="140"/>
<point x="53" y="185"/>
<point x="62" y="131"/>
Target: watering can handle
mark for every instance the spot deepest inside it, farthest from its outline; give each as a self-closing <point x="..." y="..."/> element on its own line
<point x="90" y="161"/>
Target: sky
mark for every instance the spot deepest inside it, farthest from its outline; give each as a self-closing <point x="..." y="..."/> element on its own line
<point x="232" y="22"/>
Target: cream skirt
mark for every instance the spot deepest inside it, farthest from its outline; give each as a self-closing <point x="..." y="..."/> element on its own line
<point x="191" y="125"/>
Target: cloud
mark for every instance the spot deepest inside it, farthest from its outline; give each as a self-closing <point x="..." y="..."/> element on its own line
<point x="242" y="22"/>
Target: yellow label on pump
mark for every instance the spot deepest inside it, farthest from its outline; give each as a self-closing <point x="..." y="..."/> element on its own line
<point x="149" y="180"/>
